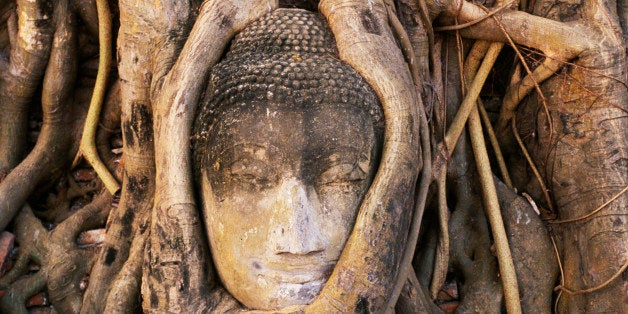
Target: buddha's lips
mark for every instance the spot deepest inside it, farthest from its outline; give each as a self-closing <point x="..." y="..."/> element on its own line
<point x="298" y="276"/>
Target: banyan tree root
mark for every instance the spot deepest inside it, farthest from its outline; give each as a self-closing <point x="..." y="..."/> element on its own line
<point x="528" y="239"/>
<point x="63" y="264"/>
<point x="471" y="261"/>
<point x="531" y="246"/>
<point x="587" y="105"/>
<point x="87" y="148"/>
<point x="30" y="27"/>
<point x="175" y="218"/>
<point x="471" y="255"/>
<point x="53" y="144"/>
<point x="138" y="168"/>
<point x="154" y="86"/>
<point x="589" y="116"/>
<point x="366" y="42"/>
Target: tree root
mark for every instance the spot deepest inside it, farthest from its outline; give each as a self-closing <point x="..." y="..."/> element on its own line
<point x="15" y="297"/>
<point x="530" y="246"/>
<point x="374" y="57"/>
<point x="489" y="194"/>
<point x="473" y="22"/>
<point x="63" y="265"/>
<point x="34" y="24"/>
<point x="499" y="157"/>
<point x="598" y="287"/>
<point x="88" y="12"/>
<point x="53" y="144"/>
<point x="441" y="260"/>
<point x="110" y="121"/>
<point x="467" y="230"/>
<point x="471" y="254"/>
<point x="59" y="208"/>
<point x="426" y="167"/>
<point x="535" y="171"/>
<point x="517" y="92"/>
<point x="175" y="217"/>
<point x="87" y="148"/>
<point x="470" y="100"/>
<point x="413" y="299"/>
<point x="125" y="288"/>
<point x="491" y="206"/>
<point x="137" y="168"/>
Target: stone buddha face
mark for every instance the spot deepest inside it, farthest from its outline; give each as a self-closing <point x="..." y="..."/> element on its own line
<point x="288" y="141"/>
<point x="281" y="193"/>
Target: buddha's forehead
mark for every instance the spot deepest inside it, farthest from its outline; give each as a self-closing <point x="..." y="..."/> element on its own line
<point x="288" y="131"/>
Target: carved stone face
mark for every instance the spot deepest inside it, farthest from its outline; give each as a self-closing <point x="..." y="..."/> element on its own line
<point x="281" y="188"/>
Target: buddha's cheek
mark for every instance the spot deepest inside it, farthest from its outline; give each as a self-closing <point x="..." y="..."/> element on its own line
<point x="340" y="210"/>
<point x="236" y="237"/>
<point x="231" y="230"/>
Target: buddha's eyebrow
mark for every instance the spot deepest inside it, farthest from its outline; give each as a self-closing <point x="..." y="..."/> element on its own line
<point x="243" y="146"/>
<point x="339" y="155"/>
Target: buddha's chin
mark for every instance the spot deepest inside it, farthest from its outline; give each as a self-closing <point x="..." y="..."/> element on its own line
<point x="281" y="295"/>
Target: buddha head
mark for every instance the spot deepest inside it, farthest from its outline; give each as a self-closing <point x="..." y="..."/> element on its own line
<point x="287" y="142"/>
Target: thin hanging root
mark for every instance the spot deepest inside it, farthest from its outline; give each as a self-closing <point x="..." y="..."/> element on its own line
<point x="562" y="273"/>
<point x="471" y="65"/>
<point x="495" y="144"/>
<point x="517" y="92"/>
<point x="543" y="75"/>
<point x="583" y="217"/>
<point x="87" y="148"/>
<point x="491" y="204"/>
<point x="441" y="263"/>
<point x="535" y="170"/>
<point x="489" y="192"/>
<point x="598" y="287"/>
<point x="470" y="100"/>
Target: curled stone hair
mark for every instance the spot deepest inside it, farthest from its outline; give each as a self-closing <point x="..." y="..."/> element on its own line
<point x="287" y="56"/>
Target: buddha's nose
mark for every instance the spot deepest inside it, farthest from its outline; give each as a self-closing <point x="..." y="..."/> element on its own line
<point x="297" y="226"/>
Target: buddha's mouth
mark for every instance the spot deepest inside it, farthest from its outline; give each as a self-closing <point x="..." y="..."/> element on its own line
<point x="291" y="275"/>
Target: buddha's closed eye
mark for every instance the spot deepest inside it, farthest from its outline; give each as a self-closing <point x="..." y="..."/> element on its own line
<point x="342" y="174"/>
<point x="253" y="174"/>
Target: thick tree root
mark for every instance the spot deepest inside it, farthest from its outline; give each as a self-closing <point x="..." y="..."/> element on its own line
<point x="175" y="218"/>
<point x="423" y="184"/>
<point x="125" y="288"/>
<point x="63" y="265"/>
<point x="54" y="142"/>
<point x="137" y="171"/>
<point x="471" y="255"/>
<point x="371" y="50"/>
<point x="517" y="92"/>
<point x="531" y="246"/>
<point x="161" y="81"/>
<point x="31" y="30"/>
